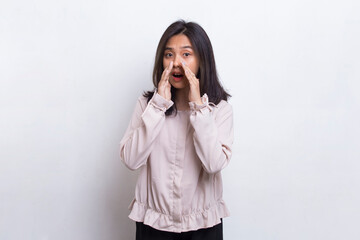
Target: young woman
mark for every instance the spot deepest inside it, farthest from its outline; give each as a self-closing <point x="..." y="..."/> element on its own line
<point x="181" y="136"/>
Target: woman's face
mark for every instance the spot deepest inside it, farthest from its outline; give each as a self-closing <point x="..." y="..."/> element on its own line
<point x="179" y="49"/>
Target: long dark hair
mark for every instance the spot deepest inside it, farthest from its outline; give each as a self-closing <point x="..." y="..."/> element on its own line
<point x="207" y="74"/>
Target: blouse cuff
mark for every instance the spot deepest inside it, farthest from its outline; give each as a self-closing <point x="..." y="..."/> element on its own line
<point x="194" y="107"/>
<point x="160" y="102"/>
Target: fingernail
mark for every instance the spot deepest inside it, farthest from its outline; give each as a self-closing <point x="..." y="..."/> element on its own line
<point x="183" y="62"/>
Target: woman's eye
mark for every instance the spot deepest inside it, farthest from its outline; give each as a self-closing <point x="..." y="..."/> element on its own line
<point x="168" y="54"/>
<point x="186" y="54"/>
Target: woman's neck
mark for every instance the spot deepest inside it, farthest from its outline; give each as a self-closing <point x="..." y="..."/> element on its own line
<point x="182" y="99"/>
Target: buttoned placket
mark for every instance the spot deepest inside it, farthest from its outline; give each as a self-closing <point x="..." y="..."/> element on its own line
<point x="181" y="133"/>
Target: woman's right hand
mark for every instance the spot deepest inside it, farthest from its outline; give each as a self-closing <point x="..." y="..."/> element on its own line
<point x="164" y="85"/>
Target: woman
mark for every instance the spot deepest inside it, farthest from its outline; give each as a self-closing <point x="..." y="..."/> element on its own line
<point x="181" y="136"/>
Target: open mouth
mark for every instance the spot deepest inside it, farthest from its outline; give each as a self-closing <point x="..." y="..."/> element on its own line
<point x="177" y="76"/>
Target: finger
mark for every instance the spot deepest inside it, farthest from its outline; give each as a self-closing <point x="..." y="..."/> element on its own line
<point x="166" y="72"/>
<point x="171" y="65"/>
<point x="190" y="76"/>
<point x="168" y="69"/>
<point x="188" y="73"/>
<point x="186" y="68"/>
<point x="163" y="76"/>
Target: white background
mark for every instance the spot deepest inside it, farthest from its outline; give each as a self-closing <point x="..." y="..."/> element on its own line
<point x="71" y="72"/>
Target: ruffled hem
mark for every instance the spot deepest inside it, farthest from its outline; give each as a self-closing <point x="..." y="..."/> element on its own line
<point x="161" y="221"/>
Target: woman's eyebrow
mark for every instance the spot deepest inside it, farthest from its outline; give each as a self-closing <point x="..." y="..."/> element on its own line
<point x="170" y="48"/>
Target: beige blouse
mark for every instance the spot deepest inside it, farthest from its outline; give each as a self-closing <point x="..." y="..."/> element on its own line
<point x="181" y="156"/>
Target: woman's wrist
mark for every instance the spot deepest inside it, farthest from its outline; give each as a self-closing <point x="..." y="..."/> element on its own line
<point x="203" y="103"/>
<point x="160" y="102"/>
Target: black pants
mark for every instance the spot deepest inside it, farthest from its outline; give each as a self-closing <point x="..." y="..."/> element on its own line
<point x="145" y="232"/>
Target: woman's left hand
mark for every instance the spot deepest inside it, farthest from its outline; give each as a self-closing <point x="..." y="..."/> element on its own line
<point x="194" y="93"/>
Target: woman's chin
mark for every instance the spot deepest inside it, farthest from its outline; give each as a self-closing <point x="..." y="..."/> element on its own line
<point x="178" y="84"/>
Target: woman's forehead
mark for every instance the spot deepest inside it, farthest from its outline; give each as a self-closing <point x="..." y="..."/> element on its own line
<point x="179" y="41"/>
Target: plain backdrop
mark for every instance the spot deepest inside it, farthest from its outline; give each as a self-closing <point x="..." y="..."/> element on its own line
<point x="71" y="72"/>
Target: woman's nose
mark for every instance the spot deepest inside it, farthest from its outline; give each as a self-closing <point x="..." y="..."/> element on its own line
<point x="177" y="61"/>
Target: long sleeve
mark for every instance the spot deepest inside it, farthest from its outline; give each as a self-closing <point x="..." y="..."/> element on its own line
<point x="213" y="134"/>
<point x="180" y="187"/>
<point x="145" y="125"/>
